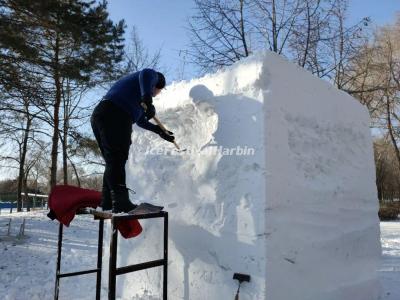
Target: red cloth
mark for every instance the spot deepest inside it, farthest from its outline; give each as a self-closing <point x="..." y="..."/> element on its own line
<point x="66" y="200"/>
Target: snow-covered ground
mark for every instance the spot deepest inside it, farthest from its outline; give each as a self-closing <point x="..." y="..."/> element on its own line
<point x="27" y="266"/>
<point x="390" y="267"/>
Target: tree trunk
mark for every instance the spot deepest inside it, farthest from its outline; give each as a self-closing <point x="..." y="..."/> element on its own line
<point x="25" y="190"/>
<point x="307" y="44"/>
<point x="21" y="172"/>
<point x="246" y="51"/>
<point x="56" y="119"/>
<point x="391" y="133"/>
<point x="19" y="184"/>
<point x="379" y="188"/>
<point x="78" y="180"/>
<point x="339" y="65"/>
<point x="274" y="29"/>
<point x="64" y="148"/>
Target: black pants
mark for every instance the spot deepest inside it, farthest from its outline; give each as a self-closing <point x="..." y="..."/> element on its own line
<point x="112" y="128"/>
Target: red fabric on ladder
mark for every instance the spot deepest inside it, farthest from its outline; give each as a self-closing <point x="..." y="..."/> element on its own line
<point x="66" y="200"/>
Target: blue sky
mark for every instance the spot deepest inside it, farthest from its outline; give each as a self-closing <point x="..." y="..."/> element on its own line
<point x="161" y="24"/>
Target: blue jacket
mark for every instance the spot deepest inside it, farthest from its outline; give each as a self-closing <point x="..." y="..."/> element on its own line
<point x="128" y="91"/>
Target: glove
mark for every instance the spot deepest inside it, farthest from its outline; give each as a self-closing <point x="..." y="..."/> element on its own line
<point x="169" y="136"/>
<point x="150" y="111"/>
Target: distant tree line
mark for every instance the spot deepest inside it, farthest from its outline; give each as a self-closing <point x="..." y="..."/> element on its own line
<point x="316" y="35"/>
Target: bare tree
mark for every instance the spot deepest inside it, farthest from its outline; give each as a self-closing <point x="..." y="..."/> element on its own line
<point x="218" y="33"/>
<point x="379" y="84"/>
<point x="75" y="115"/>
<point x="137" y="56"/>
<point x="390" y="41"/>
<point x="20" y="122"/>
<point x="276" y="20"/>
<point x="322" y="43"/>
<point x="313" y="33"/>
<point x="387" y="173"/>
<point x="21" y="143"/>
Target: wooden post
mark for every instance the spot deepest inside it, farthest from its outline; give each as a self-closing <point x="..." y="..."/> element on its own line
<point x="9" y="227"/>
<point x="21" y="230"/>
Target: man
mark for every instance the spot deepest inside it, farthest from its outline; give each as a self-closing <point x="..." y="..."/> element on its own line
<point x="112" y="121"/>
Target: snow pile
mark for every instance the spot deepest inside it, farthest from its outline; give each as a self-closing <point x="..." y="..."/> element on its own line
<point x="278" y="182"/>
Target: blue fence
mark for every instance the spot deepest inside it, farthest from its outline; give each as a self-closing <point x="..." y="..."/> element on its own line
<point x="8" y="205"/>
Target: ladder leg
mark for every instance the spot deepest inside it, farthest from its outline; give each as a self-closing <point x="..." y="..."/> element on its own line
<point x="165" y="267"/>
<point x="57" y="284"/>
<point x="112" y="276"/>
<point x="99" y="258"/>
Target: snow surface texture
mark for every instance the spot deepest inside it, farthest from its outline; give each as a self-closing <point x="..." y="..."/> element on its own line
<point x="28" y="264"/>
<point x="299" y="216"/>
<point x="390" y="267"/>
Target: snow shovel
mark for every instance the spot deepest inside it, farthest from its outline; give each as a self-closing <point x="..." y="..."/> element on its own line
<point x="161" y="126"/>
<point x="146" y="208"/>
<point x="241" y="278"/>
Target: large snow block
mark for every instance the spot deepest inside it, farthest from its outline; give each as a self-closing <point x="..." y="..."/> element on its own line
<point x="277" y="182"/>
<point x="321" y="195"/>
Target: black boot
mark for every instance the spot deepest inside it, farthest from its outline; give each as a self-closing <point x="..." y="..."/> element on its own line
<point x="106" y="203"/>
<point x="120" y="200"/>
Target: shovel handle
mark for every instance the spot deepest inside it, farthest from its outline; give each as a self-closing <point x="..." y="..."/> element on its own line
<point x="158" y="122"/>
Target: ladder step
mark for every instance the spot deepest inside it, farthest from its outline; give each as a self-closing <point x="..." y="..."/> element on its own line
<point x="78" y="273"/>
<point x="138" y="267"/>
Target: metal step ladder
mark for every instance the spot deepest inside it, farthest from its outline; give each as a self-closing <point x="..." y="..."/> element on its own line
<point x="113" y="270"/>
